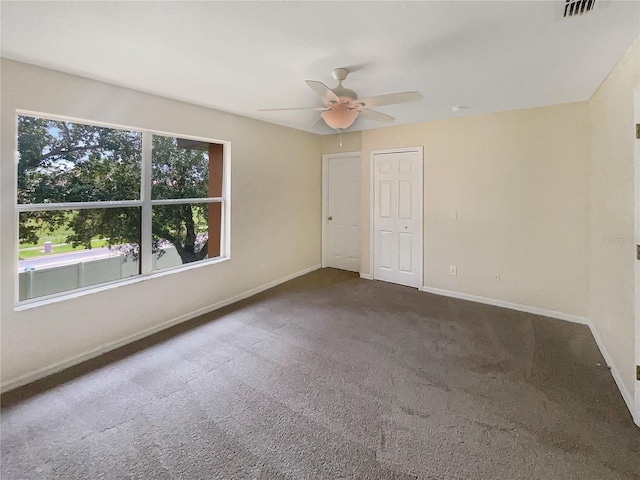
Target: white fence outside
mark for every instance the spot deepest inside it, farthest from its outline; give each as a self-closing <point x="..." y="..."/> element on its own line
<point x="49" y="280"/>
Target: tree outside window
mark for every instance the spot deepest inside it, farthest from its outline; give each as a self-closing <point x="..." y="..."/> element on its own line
<point x="84" y="186"/>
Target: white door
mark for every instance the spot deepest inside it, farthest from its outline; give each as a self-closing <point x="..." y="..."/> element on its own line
<point x="397" y="231"/>
<point x="341" y="211"/>
<point x="637" y="262"/>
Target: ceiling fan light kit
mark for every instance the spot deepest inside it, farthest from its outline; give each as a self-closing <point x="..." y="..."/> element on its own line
<point x="339" y="119"/>
<point x="341" y="106"/>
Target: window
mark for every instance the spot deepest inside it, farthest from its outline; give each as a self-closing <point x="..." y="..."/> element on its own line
<point x="100" y="204"/>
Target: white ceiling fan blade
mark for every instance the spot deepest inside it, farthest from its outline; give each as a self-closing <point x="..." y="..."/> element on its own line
<point x="292" y="108"/>
<point x="324" y="92"/>
<point x="388" y="99"/>
<point x="377" y="116"/>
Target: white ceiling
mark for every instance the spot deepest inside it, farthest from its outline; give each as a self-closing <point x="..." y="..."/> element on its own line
<point x="239" y="57"/>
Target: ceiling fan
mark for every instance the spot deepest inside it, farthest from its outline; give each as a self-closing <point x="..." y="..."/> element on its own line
<point x="341" y="106"/>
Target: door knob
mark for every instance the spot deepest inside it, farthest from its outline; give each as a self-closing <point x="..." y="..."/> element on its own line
<point x="329" y="218"/>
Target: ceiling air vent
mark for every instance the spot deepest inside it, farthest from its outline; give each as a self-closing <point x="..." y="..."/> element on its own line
<point x="578" y="7"/>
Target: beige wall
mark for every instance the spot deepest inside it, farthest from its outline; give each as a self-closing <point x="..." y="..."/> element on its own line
<point x="612" y="294"/>
<point x="519" y="182"/>
<point x="351" y="142"/>
<point x="276" y="208"/>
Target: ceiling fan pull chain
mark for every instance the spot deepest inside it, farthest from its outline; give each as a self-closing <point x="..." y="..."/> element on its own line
<point x="340" y="133"/>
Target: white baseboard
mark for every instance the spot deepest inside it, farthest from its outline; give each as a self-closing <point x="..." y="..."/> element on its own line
<point x="366" y="276"/>
<point x="636" y="417"/>
<point x="626" y="395"/>
<point x="57" y="367"/>
<point x="512" y="306"/>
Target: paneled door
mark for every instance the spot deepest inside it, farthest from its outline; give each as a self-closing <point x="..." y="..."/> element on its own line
<point x="397" y="217"/>
<point x="341" y="211"/>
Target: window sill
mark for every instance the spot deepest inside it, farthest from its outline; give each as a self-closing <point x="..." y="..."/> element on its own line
<point x="60" y="297"/>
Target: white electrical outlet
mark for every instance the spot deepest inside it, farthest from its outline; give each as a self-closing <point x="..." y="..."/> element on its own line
<point x="496" y="278"/>
<point x="453" y="270"/>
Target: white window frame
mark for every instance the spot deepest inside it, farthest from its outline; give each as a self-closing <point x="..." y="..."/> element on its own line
<point x="145" y="203"/>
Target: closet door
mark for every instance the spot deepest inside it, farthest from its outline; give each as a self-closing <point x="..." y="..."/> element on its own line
<point x="398" y="217"/>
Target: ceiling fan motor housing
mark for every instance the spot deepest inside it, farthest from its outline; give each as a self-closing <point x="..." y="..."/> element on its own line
<point x="339" y="74"/>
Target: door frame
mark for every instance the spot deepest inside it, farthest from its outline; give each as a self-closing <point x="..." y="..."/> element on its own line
<point x="372" y="200"/>
<point x="325" y="194"/>
<point x="636" y="95"/>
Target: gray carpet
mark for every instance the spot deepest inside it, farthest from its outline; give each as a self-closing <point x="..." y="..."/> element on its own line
<point x="332" y="377"/>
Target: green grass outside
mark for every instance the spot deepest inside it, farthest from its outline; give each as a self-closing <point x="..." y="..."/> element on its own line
<point x="57" y="236"/>
<point x="58" y="239"/>
<point x="54" y="238"/>
<point x="26" y="252"/>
